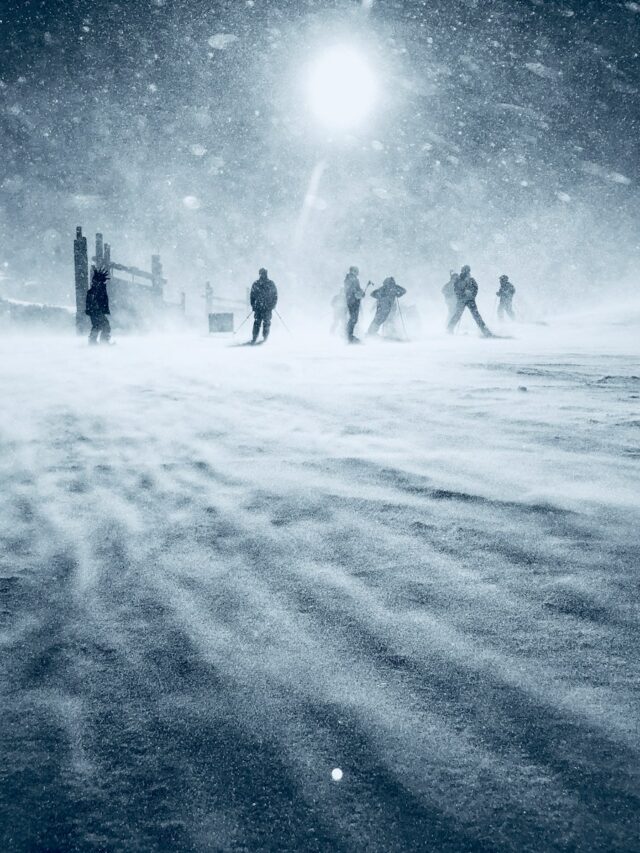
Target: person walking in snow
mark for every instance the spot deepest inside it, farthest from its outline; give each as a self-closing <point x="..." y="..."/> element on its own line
<point x="466" y="290"/>
<point x="386" y="297"/>
<point x="263" y="298"/>
<point x="505" y="294"/>
<point x="97" y="307"/>
<point x="354" y="295"/>
<point x="449" y="293"/>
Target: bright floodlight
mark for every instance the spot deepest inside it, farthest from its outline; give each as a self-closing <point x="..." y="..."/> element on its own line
<point x="341" y="87"/>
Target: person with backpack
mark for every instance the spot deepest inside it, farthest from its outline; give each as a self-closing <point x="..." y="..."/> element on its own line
<point x="386" y="298"/>
<point x="263" y="298"/>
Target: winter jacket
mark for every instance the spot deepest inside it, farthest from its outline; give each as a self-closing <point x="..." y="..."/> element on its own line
<point x="466" y="288"/>
<point x="352" y="290"/>
<point x="97" y="300"/>
<point x="264" y="295"/>
<point x="388" y="292"/>
<point x="506" y="291"/>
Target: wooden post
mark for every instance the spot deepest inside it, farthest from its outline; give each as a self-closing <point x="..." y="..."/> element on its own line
<point x="183" y="302"/>
<point x="208" y="296"/>
<point x="81" y="266"/>
<point x="99" y="258"/>
<point x="107" y="256"/>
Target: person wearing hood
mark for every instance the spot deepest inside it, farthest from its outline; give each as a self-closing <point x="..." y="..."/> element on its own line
<point x="386" y="298"/>
<point x="354" y="295"/>
<point x="466" y="290"/>
<point x="505" y="294"/>
<point x="97" y="307"/>
<point x="263" y="299"/>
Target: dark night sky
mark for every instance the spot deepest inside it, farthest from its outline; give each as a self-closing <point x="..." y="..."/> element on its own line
<point x="507" y="131"/>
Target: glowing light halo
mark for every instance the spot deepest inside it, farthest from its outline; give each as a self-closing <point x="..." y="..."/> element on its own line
<point x="341" y="87"/>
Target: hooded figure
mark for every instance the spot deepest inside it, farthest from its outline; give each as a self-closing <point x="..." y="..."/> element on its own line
<point x="263" y="298"/>
<point x="466" y="290"/>
<point x="505" y="295"/>
<point x="353" y="294"/>
<point x="386" y="297"/>
<point x="97" y="307"/>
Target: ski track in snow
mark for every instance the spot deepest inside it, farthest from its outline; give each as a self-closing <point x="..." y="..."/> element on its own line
<point x="226" y="572"/>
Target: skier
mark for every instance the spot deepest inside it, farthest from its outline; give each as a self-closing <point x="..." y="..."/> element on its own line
<point x="466" y="290"/>
<point x="449" y="293"/>
<point x="263" y="298"/>
<point x="386" y="297"/>
<point x="97" y="307"/>
<point x="505" y="295"/>
<point x="354" y="294"/>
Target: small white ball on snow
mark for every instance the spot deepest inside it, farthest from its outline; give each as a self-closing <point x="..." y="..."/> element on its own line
<point x="336" y="774"/>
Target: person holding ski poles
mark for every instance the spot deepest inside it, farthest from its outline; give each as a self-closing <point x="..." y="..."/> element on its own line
<point x="386" y="297"/>
<point x="263" y="298"/>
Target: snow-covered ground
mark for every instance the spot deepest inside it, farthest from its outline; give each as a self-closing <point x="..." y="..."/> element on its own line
<point x="226" y="572"/>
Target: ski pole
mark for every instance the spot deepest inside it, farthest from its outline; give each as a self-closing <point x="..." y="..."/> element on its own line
<point x="277" y="313"/>
<point x="404" y="328"/>
<point x="243" y="322"/>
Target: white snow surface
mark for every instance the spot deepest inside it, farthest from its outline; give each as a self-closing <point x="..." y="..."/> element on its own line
<point x="227" y="571"/>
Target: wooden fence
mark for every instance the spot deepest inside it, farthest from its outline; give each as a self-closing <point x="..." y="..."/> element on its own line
<point x="135" y="305"/>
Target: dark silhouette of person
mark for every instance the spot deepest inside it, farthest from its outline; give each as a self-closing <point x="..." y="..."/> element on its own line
<point x="386" y="297"/>
<point x="449" y="293"/>
<point x="263" y="298"/>
<point x="505" y="294"/>
<point x="97" y="307"/>
<point x="466" y="290"/>
<point x="354" y="295"/>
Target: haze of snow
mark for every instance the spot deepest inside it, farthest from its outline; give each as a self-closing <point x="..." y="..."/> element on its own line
<point x="315" y="597"/>
<point x="505" y="136"/>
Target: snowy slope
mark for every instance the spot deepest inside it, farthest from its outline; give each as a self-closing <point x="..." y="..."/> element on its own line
<point x="226" y="572"/>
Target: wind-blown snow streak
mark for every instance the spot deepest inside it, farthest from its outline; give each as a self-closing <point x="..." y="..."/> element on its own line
<point x="226" y="572"/>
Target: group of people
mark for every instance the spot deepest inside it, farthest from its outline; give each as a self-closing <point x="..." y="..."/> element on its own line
<point x="459" y="293"/>
<point x="264" y="298"/>
<point x="385" y="297"/>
